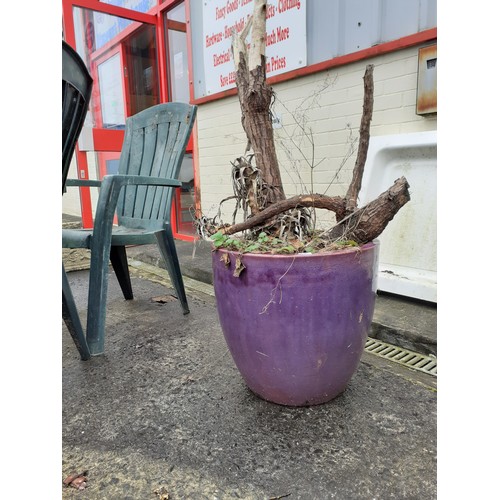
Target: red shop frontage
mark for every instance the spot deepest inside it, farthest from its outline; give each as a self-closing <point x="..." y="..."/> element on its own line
<point x="138" y="54"/>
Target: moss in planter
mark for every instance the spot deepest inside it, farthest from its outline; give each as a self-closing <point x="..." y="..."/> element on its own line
<point x="269" y="244"/>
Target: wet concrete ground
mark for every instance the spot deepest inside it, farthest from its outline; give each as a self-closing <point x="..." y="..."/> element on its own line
<point x="165" y="411"/>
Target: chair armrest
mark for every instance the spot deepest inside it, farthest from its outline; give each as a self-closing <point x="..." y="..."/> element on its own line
<point x="140" y="180"/>
<point x="82" y="182"/>
<point x="126" y="180"/>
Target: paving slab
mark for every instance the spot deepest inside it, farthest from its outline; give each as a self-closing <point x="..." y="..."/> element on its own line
<point x="165" y="412"/>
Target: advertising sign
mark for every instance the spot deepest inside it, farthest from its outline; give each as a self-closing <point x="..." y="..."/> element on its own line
<point x="286" y="47"/>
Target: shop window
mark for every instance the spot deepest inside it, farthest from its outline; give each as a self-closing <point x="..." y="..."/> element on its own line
<point x="185" y="197"/>
<point x="175" y="25"/>
<point x="111" y="93"/>
<point x="141" y="73"/>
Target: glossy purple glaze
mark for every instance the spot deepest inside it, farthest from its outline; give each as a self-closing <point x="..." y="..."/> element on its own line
<point x="296" y="326"/>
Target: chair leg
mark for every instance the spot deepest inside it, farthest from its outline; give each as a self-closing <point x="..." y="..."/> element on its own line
<point x="118" y="257"/>
<point x="97" y="302"/>
<point x="166" y="244"/>
<point x="72" y="320"/>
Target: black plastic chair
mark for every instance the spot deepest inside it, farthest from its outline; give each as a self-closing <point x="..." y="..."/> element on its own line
<point x="76" y="90"/>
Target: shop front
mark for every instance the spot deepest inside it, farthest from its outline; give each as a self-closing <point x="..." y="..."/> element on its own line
<point x="137" y="54"/>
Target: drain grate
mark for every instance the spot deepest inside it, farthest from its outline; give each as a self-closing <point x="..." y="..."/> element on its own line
<point x="410" y="359"/>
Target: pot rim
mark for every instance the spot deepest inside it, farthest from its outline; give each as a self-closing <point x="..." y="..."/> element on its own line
<point x="363" y="248"/>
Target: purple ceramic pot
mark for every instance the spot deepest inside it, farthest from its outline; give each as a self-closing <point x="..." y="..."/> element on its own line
<point x="296" y="325"/>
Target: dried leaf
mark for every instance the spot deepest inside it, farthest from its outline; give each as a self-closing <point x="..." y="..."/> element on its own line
<point x="226" y="259"/>
<point x="297" y="244"/>
<point x="77" y="480"/>
<point x="239" y="267"/>
<point x="70" y="479"/>
<point x="80" y="483"/>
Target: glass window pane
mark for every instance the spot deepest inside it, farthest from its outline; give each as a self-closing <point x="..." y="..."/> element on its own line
<point x="178" y="66"/>
<point x="184" y="200"/>
<point x="106" y="28"/>
<point x="142" y="69"/>
<point x="112" y="166"/>
<point x="178" y="13"/>
<point x="94" y="30"/>
<point x="111" y="93"/>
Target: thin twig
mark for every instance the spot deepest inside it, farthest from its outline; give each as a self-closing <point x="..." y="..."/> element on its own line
<point x="273" y="291"/>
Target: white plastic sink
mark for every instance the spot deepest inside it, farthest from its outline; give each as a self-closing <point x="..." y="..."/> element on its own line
<point x="408" y="260"/>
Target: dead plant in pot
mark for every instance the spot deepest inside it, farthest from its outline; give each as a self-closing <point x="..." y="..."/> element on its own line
<point x="295" y="304"/>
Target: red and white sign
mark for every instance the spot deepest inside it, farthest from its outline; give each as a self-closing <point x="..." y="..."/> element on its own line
<point x="286" y="47"/>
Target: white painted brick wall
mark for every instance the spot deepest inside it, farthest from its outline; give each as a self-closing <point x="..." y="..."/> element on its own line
<point x="333" y="116"/>
<point x="71" y="204"/>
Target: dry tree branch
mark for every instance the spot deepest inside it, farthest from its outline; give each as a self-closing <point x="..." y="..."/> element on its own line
<point x="364" y="141"/>
<point x="361" y="225"/>
<point x="255" y="97"/>
<point x="335" y="204"/>
<point x="367" y="223"/>
<point x="364" y="225"/>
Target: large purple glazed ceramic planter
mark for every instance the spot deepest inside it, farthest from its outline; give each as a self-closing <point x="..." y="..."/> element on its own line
<point x="296" y="325"/>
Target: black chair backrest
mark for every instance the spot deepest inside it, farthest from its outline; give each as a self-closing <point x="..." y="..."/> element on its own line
<point x="76" y="90"/>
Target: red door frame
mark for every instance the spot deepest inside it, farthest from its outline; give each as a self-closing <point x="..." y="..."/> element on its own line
<point x="112" y="140"/>
<point x="165" y="65"/>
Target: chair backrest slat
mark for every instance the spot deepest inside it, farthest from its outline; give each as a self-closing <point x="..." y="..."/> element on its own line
<point x="150" y="143"/>
<point x="129" y="163"/>
<point x="156" y="170"/>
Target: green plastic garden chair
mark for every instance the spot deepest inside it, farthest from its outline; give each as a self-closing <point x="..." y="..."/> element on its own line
<point x="140" y="195"/>
<point x="76" y="90"/>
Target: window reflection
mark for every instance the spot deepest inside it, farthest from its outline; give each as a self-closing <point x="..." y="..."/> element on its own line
<point x="178" y="13"/>
<point x="104" y="28"/>
<point x="141" y="70"/>
<point x="111" y="93"/>
<point x="185" y="197"/>
<point x="175" y="27"/>
<point x="178" y="66"/>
